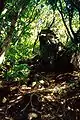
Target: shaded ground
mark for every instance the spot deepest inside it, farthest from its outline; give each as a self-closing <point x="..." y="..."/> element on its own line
<point x="51" y="97"/>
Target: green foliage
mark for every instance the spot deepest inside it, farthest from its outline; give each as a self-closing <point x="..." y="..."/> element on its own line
<point x="31" y="17"/>
<point x="72" y="48"/>
<point x="18" y="72"/>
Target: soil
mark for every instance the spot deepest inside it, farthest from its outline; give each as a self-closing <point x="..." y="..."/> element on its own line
<point x="51" y="96"/>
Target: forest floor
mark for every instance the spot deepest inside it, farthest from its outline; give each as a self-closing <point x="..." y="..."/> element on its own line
<point x="51" y="97"/>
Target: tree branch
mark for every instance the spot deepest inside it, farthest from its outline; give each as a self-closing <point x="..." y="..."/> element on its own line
<point x="60" y="11"/>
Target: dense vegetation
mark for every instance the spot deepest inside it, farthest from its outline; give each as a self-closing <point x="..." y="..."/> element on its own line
<point x="39" y="38"/>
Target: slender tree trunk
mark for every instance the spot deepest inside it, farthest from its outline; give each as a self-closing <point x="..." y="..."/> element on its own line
<point x="8" y="38"/>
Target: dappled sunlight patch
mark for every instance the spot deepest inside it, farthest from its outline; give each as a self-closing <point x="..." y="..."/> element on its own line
<point x="50" y="97"/>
